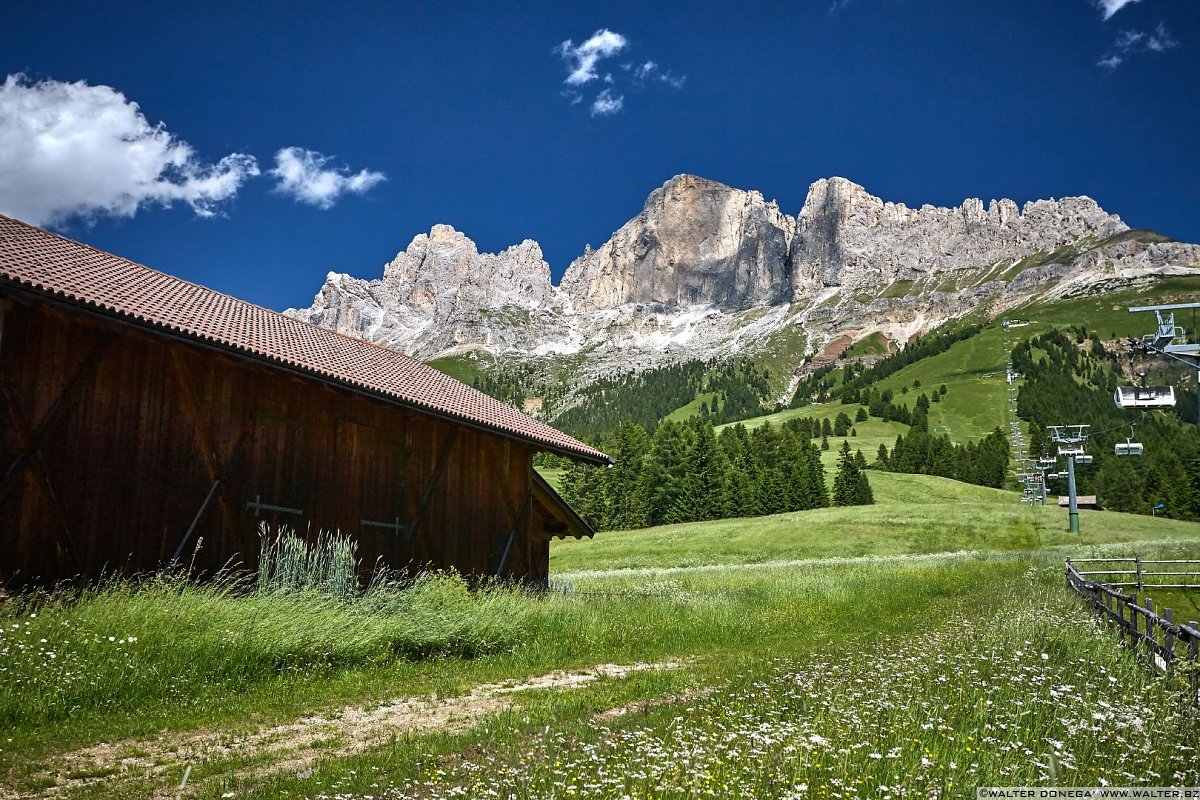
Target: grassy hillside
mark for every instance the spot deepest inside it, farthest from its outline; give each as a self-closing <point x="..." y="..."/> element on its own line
<point x="872" y="432"/>
<point x="913" y="514"/>
<point x="1108" y="313"/>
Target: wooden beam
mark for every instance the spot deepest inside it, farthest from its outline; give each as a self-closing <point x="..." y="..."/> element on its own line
<point x="435" y="478"/>
<point x="191" y="407"/>
<point x="42" y="472"/>
<point x="35" y="434"/>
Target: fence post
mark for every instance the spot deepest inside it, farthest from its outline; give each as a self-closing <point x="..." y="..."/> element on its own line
<point x="1150" y="643"/>
<point x="1194" y="661"/>
<point x="1169" y="643"/>
<point x="1135" y="638"/>
<point x="1137" y="563"/>
<point x="1070" y="584"/>
<point x="1121" y="633"/>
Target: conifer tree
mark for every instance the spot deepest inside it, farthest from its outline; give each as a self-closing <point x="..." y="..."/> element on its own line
<point x="624" y="498"/>
<point x="850" y="485"/>
<point x="663" y="473"/>
<point x="841" y="425"/>
<point x="704" y="487"/>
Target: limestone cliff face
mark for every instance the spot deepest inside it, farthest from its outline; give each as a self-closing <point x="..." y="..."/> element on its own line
<point x="437" y="294"/>
<point x="442" y="272"/>
<point x="705" y="270"/>
<point x="695" y="242"/>
<point x="845" y="235"/>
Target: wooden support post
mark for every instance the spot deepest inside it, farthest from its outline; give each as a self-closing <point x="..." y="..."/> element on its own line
<point x="208" y="450"/>
<point x="435" y="478"/>
<point x="195" y="521"/>
<point x="33" y="435"/>
<point x="1137" y="564"/>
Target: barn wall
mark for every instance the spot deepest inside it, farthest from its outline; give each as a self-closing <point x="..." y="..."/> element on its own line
<point x="113" y="438"/>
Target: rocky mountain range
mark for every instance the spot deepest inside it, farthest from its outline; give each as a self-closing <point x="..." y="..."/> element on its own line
<point x="708" y="270"/>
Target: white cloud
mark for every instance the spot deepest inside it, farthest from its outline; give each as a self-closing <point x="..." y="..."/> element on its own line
<point x="582" y="60"/>
<point x="301" y="173"/>
<point x="1130" y="42"/>
<point x="1160" y="40"/>
<point x="1110" y="7"/>
<point x="650" y="71"/>
<point x="607" y="103"/>
<point x="73" y="150"/>
<point x="645" y="70"/>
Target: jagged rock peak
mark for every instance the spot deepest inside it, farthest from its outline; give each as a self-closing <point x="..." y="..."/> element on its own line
<point x="438" y="284"/>
<point x="695" y="241"/>
<point x="845" y="234"/>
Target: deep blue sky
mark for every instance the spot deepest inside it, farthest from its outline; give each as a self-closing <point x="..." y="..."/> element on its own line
<point x="461" y="105"/>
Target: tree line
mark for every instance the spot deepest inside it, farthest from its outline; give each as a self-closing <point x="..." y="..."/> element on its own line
<point x="729" y="391"/>
<point x="687" y="472"/>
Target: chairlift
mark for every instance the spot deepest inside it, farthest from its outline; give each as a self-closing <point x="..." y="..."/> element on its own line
<point x="1047" y="461"/>
<point x="1083" y="459"/>
<point x="1070" y="450"/>
<point x="1129" y="447"/>
<point x="1144" y="397"/>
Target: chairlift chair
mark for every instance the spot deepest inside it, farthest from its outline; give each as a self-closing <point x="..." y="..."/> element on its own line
<point x="1083" y="459"/>
<point x="1128" y="448"/>
<point x="1070" y="450"/>
<point x="1144" y="397"/>
<point x="1047" y="461"/>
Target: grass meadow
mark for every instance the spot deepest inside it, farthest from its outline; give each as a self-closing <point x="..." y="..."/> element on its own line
<point x="768" y="669"/>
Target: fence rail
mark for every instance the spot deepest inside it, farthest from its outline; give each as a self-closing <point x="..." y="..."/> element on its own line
<point x="1141" y="573"/>
<point x="1167" y="647"/>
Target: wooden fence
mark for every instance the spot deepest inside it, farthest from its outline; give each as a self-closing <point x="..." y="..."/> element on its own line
<point x="1170" y="648"/>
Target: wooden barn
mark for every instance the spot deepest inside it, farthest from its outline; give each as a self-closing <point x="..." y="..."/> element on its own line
<point x="144" y="415"/>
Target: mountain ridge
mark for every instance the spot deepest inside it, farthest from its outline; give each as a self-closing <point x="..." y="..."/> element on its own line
<point x="705" y="270"/>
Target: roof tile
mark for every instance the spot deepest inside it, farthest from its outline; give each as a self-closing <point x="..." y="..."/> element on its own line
<point x="69" y="270"/>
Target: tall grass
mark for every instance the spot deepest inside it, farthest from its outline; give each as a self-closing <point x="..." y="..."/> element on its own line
<point x="129" y="646"/>
<point x="329" y="564"/>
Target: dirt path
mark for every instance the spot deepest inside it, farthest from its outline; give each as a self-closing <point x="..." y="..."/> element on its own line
<point x="294" y="746"/>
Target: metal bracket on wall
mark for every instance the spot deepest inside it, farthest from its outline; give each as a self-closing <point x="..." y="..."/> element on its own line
<point x="258" y="506"/>
<point x="395" y="527"/>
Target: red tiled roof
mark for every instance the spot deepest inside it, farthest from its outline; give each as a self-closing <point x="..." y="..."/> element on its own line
<point x="74" y="272"/>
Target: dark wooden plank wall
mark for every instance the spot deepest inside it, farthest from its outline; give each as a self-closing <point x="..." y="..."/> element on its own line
<point x="133" y="429"/>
